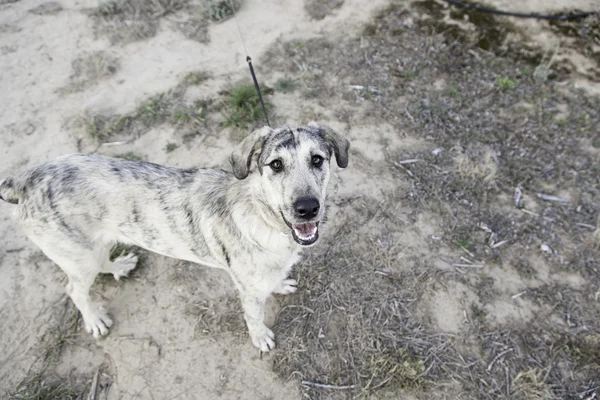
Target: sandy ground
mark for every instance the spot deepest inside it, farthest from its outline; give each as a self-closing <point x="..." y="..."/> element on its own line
<point x="159" y="347"/>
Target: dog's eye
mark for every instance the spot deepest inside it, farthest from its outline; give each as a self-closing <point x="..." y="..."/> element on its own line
<point x="317" y="161"/>
<point x="276" y="165"/>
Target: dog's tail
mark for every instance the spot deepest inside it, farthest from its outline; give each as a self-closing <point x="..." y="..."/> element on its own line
<point x="9" y="191"/>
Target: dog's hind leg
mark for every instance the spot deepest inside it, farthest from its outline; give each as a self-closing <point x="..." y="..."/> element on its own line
<point x="81" y="261"/>
<point x="121" y="266"/>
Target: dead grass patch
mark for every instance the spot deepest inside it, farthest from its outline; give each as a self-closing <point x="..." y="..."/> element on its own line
<point x="41" y="383"/>
<point x="89" y="68"/>
<point x="353" y="321"/>
<point x="319" y="9"/>
<point x="478" y="171"/>
<point x="125" y="21"/>
<point x="168" y="107"/>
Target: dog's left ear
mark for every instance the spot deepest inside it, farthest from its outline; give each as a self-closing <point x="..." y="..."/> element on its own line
<point x="241" y="158"/>
<point x="338" y="143"/>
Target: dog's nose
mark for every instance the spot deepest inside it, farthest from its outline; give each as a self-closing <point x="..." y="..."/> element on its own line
<point x="306" y="207"/>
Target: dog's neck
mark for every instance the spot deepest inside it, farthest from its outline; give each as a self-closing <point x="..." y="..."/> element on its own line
<point x="256" y="220"/>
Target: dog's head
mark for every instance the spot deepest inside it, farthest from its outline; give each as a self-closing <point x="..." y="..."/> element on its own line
<point x="293" y="172"/>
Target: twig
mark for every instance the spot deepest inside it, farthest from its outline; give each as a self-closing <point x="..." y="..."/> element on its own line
<point x="496" y="245"/>
<point x="411" y="161"/>
<point x="549" y="197"/>
<point x="518" y="295"/>
<point x="325" y="386"/>
<point x="467" y="251"/>
<point x="94" y="388"/>
<point x="578" y="223"/>
<point x="107" y="144"/>
<point x="489" y="368"/>
<point x="468" y="265"/>
<point x="517" y="197"/>
<point x="536" y="215"/>
<point x="402" y="167"/>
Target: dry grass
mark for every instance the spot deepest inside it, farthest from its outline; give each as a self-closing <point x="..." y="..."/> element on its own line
<point x="169" y="107"/>
<point x="354" y="320"/>
<point x="125" y="21"/>
<point x="319" y="9"/>
<point x="41" y="383"/>
<point x="478" y="171"/>
<point x="89" y="68"/>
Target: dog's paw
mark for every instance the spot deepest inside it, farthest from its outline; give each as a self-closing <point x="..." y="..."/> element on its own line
<point x="124" y="265"/>
<point x="287" y="286"/>
<point x="97" y="322"/>
<point x="263" y="338"/>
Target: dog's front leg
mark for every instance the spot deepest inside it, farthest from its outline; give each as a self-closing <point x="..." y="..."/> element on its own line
<point x="254" y="313"/>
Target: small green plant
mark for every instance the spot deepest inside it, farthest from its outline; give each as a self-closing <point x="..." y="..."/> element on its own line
<point x="478" y="314"/>
<point x="463" y="242"/>
<point x="171" y="147"/>
<point x="130" y="155"/>
<point x="218" y="10"/>
<point x="562" y="122"/>
<point x="196" y="77"/>
<point x="452" y="91"/>
<point x="119" y="250"/>
<point x="505" y="83"/>
<point x="310" y="94"/>
<point x="242" y="106"/>
<point x="101" y="127"/>
<point x="409" y="73"/>
<point x="154" y="108"/>
<point x="109" y="8"/>
<point x="286" y="85"/>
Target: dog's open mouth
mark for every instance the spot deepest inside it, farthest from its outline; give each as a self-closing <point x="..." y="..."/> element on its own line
<point x="305" y="233"/>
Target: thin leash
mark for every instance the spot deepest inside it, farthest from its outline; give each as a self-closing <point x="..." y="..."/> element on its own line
<point x="249" y="60"/>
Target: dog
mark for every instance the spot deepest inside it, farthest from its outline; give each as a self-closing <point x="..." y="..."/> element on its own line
<point x="252" y="223"/>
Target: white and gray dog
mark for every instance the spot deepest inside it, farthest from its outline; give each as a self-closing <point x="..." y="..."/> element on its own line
<point x="252" y="223"/>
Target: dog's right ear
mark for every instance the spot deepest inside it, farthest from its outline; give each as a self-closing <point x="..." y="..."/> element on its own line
<point x="241" y="158"/>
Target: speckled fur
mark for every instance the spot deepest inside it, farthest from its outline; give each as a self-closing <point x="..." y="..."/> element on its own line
<point x="77" y="206"/>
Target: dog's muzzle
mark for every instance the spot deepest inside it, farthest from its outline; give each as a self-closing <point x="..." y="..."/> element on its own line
<point x="304" y="233"/>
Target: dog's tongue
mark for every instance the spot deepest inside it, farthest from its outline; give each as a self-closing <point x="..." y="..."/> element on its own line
<point x="305" y="230"/>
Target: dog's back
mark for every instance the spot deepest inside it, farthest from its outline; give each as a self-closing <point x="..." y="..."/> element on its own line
<point x="90" y="198"/>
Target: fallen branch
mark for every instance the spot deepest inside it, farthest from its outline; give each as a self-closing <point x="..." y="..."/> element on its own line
<point x="549" y="197"/>
<point x="489" y="368"/>
<point x="325" y="386"/>
<point x="468" y="265"/>
<point x="94" y="388"/>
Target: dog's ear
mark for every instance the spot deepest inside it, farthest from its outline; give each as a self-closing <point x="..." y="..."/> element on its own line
<point x="241" y="158"/>
<point x="337" y="142"/>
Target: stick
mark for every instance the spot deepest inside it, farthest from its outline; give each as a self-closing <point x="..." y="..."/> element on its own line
<point x="489" y="368"/>
<point x="404" y="169"/>
<point x="495" y="246"/>
<point x="468" y="265"/>
<point x="549" y="197"/>
<point x="411" y="161"/>
<point x="518" y="295"/>
<point x="324" y="386"/>
<point x="94" y="388"/>
<point x="578" y="223"/>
